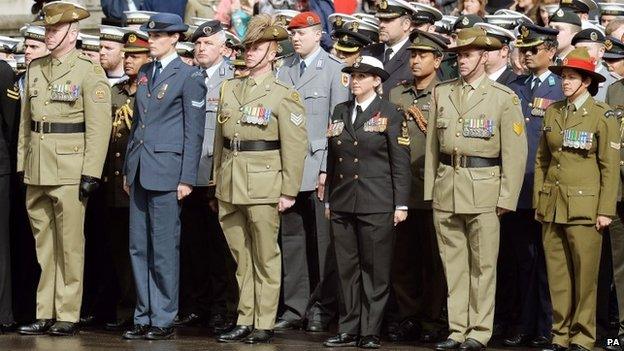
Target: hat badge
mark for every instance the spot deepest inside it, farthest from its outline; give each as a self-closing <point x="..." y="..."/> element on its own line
<point x="593" y="36"/>
<point x="345" y="37"/>
<point x="74" y="15"/>
<point x="465" y="21"/>
<point x="207" y="30"/>
<point x="355" y="26"/>
<point x="275" y="32"/>
<point x="132" y="38"/>
<point x="608" y="44"/>
<point x="524" y="32"/>
<point x="310" y="20"/>
<point x="560" y="13"/>
<point x="383" y="5"/>
<point x="151" y="24"/>
<point x="339" y="21"/>
<point x="488" y="41"/>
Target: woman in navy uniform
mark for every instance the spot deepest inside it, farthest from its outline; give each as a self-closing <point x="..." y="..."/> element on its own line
<point x="367" y="189"/>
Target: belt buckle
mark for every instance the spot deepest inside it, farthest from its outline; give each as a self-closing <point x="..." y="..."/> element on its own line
<point x="456" y="160"/>
<point x="235" y="145"/>
<point x="43" y="127"/>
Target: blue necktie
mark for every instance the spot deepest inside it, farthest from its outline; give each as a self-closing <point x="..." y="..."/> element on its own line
<point x="302" y="67"/>
<point x="157" y="66"/>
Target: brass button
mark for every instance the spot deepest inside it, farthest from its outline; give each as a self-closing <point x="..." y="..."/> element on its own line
<point x="41" y="137"/>
<point x="49" y="87"/>
<point x="455" y="149"/>
<point x="268" y="166"/>
<point x="580" y="192"/>
<point x="621" y="163"/>
<point x="117" y="154"/>
<point x="240" y="109"/>
<point x="355" y="176"/>
<point x="559" y="149"/>
<point x="558" y="165"/>
<point x="116" y="172"/>
<point x="457" y="134"/>
<point x="235" y="153"/>
<point x="355" y="143"/>
<point x="238" y="122"/>
<point x="236" y="135"/>
<point x="339" y="159"/>
<point x="47" y="103"/>
<point x="75" y="148"/>
<point x="557" y="183"/>
<point x="43" y="118"/>
<point x="339" y="142"/>
<point x="530" y="104"/>
<point x="461" y="120"/>
<point x="341" y="176"/>
<point x="356" y="160"/>
<point x="493" y="174"/>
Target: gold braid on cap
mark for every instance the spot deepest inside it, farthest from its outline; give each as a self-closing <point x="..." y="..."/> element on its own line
<point x="256" y="27"/>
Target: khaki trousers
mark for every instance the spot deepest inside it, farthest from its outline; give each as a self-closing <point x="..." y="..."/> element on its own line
<point x="572" y="262"/>
<point x="469" y="250"/>
<point x="251" y="232"/>
<point x="57" y="221"/>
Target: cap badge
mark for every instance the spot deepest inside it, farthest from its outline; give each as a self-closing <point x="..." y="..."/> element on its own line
<point x="132" y="38"/>
<point x="383" y="5"/>
<point x="524" y="32"/>
<point x="275" y="32"/>
<point x="465" y="21"/>
<point x="74" y="15"/>
<point x="310" y="20"/>
<point x="338" y="21"/>
<point x="345" y="37"/>
<point x="593" y="36"/>
<point x="559" y="13"/>
<point x="608" y="44"/>
<point x="151" y="24"/>
<point x="355" y="26"/>
<point x="207" y="30"/>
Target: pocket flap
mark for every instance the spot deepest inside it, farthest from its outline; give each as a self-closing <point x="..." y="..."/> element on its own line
<point x="315" y="94"/>
<point x="580" y="191"/>
<point x="266" y="166"/>
<point x="545" y="189"/>
<point x="483" y="173"/>
<point x="442" y="123"/>
<point x="177" y="148"/>
<point x="316" y="145"/>
<point x="68" y="148"/>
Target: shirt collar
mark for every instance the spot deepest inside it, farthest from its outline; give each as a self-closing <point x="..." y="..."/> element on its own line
<point x="308" y="60"/>
<point x="211" y="70"/>
<point x="396" y="47"/>
<point x="581" y="100"/>
<point x="475" y="84"/>
<point x="364" y="104"/>
<point x="494" y="76"/>
<point x="542" y="77"/>
<point x="168" y="59"/>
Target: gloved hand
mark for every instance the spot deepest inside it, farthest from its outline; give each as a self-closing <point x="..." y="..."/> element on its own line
<point x="87" y="186"/>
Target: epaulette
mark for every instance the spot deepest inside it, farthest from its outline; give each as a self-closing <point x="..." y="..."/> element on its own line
<point x="279" y="82"/>
<point x="335" y="58"/>
<point x="446" y="82"/>
<point x="504" y="88"/>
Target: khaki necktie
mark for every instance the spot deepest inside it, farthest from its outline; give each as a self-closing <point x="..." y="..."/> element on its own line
<point x="466" y="94"/>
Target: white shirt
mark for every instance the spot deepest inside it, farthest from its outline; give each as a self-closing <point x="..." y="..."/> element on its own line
<point x="542" y="77"/>
<point x="494" y="76"/>
<point x="165" y="61"/>
<point x="211" y="70"/>
<point x="396" y="47"/>
<point x="364" y="105"/>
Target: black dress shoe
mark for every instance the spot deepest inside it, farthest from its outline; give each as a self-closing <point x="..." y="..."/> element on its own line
<point x="219" y="324"/>
<point x="577" y="347"/>
<point x="448" y="344"/>
<point x="63" y="329"/>
<point x="540" y="342"/>
<point x="118" y="325"/>
<point x="369" y="342"/>
<point x="283" y="325"/>
<point x="39" y="327"/>
<point x="239" y="333"/>
<point x="158" y="333"/>
<point x="259" y="336"/>
<point x="137" y="332"/>
<point x="189" y="319"/>
<point x="316" y="327"/>
<point x="408" y="330"/>
<point x="555" y="347"/>
<point x="342" y="340"/>
<point x="517" y="340"/>
<point x="471" y="345"/>
<point x="87" y="321"/>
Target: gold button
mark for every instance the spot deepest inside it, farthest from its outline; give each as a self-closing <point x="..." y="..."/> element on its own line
<point x="580" y="192"/>
<point x="561" y="132"/>
<point x="339" y="142"/>
<point x="117" y="154"/>
<point x="341" y="176"/>
<point x="457" y="134"/>
<point x="339" y="159"/>
<point x="558" y="165"/>
<point x="355" y="176"/>
<point x="557" y="183"/>
<point x="530" y="104"/>
<point x="461" y="120"/>
<point x="47" y="103"/>
<point x="493" y="174"/>
<point x="116" y="172"/>
<point x="559" y="149"/>
<point x="238" y="122"/>
<point x="49" y="87"/>
<point x="355" y="143"/>
<point x="268" y="166"/>
<point x="235" y="153"/>
<point x="41" y="137"/>
<point x="236" y="135"/>
<point x="356" y="160"/>
<point x="43" y="118"/>
<point x="621" y="163"/>
<point x="455" y="149"/>
<point x="75" y="148"/>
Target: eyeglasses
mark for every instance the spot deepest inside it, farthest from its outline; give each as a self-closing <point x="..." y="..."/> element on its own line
<point x="533" y="49"/>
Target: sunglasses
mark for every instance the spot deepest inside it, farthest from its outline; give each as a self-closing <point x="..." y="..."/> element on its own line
<point x="533" y="50"/>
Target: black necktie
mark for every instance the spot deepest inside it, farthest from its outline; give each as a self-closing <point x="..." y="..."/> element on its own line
<point x="358" y="112"/>
<point x="157" y="68"/>
<point x="302" y="67"/>
<point x="536" y="83"/>
<point x="387" y="55"/>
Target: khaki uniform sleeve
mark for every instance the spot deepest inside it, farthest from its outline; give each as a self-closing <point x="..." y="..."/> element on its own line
<point x="294" y="142"/>
<point x="97" y="109"/>
<point x="608" y="162"/>
<point x="542" y="161"/>
<point x="513" y="153"/>
<point x="432" y="149"/>
<point x="23" y="138"/>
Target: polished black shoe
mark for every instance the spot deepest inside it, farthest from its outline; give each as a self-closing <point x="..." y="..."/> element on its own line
<point x="471" y="345"/>
<point x="158" y="333"/>
<point x="259" y="336"/>
<point x="188" y="320"/>
<point x="137" y="332"/>
<point x="342" y="340"/>
<point x="540" y="342"/>
<point x="316" y="327"/>
<point x="369" y="342"/>
<point x="517" y="340"/>
<point x="448" y="344"/>
<point x="219" y="324"/>
<point x="63" y="329"/>
<point x="555" y="347"/>
<point x="577" y="347"/>
<point x="87" y="321"/>
<point x="39" y="327"/>
<point x="283" y="325"/>
<point x="239" y="333"/>
<point x="118" y="325"/>
<point x="408" y="330"/>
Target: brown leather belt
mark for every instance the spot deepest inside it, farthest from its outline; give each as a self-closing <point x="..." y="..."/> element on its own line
<point x="56" y="128"/>
<point x="250" y="145"/>
<point x="469" y="161"/>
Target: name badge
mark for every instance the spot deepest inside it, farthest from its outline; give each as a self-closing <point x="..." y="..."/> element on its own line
<point x="335" y="129"/>
<point x="259" y="115"/>
<point x="578" y="139"/>
<point x="479" y="128"/>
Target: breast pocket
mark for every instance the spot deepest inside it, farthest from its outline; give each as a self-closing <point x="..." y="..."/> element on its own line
<point x="69" y="157"/>
<point x="485" y="186"/>
<point x="315" y="101"/>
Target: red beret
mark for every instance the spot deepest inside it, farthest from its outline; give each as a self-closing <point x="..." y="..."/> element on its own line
<point x="304" y="19"/>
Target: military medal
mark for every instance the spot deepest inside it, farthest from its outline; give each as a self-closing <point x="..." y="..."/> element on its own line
<point x="479" y="128"/>
<point x="539" y="106"/>
<point x="65" y="92"/>
<point x="256" y="115"/>
<point x="577" y="139"/>
<point x="376" y="124"/>
<point x="162" y="90"/>
<point x="335" y="129"/>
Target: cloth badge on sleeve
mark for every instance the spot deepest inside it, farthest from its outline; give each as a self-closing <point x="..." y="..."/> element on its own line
<point x="615" y="145"/>
<point x="198" y="104"/>
<point x="296" y="119"/>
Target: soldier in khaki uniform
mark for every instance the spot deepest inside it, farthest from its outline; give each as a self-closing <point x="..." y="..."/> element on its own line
<point x="260" y="147"/>
<point x="474" y="165"/>
<point x="575" y="192"/>
<point x="63" y="137"/>
<point x="417" y="273"/>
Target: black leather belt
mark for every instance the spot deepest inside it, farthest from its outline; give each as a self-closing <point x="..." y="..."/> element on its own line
<point x="468" y="161"/>
<point x="59" y="128"/>
<point x="250" y="145"/>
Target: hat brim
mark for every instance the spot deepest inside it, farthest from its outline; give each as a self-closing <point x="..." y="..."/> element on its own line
<point x="523" y="44"/>
<point x="363" y="68"/>
<point x="136" y="50"/>
<point x="612" y="56"/>
<point x="595" y="77"/>
<point x="477" y="44"/>
<point x="177" y="28"/>
<point x="348" y="49"/>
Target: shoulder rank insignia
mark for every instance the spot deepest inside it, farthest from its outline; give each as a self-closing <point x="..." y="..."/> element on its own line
<point x="13" y="93"/>
<point x="404" y="139"/>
